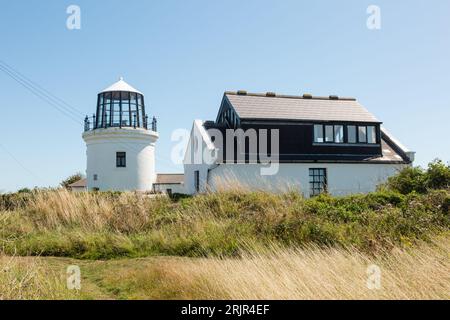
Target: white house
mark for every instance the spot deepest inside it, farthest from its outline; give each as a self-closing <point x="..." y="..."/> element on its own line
<point x="279" y="142"/>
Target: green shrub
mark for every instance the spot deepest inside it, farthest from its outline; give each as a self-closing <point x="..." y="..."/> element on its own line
<point x="415" y="179"/>
<point x="438" y="175"/>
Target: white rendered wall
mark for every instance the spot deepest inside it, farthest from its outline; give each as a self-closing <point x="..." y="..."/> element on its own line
<point x="343" y="179"/>
<point x="78" y="189"/>
<point x="175" y="187"/>
<point x="102" y="145"/>
<point x="199" y="145"/>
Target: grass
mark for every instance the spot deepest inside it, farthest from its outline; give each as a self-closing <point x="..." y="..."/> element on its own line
<point x="116" y="225"/>
<point x="272" y="273"/>
<point x="30" y="279"/>
<point x="231" y="244"/>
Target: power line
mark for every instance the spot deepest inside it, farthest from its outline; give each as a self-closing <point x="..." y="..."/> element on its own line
<point x="41" y="88"/>
<point x="57" y="103"/>
<point x="20" y="163"/>
<point x="40" y="95"/>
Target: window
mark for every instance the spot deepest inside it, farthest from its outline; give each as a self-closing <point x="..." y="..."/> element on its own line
<point x="318" y="133"/>
<point x="351" y="134"/>
<point x="339" y="134"/>
<point x="317" y="181"/>
<point x="121" y="159"/>
<point x="95" y="177"/>
<point x="371" y="134"/>
<point x="197" y="180"/>
<point x="362" y="134"/>
<point x="120" y="109"/>
<point x="329" y="134"/>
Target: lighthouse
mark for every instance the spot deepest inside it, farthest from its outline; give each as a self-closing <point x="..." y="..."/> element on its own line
<point x="120" y="141"/>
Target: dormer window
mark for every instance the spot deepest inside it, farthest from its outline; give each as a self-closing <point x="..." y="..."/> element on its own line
<point x="371" y="134"/>
<point x="367" y="134"/>
<point x="339" y="134"/>
<point x="362" y="134"/>
<point x="335" y="134"/>
<point x="351" y="134"/>
<point x="328" y="133"/>
<point x="318" y="133"/>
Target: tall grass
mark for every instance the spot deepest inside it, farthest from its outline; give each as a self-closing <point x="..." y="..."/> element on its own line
<point x="111" y="225"/>
<point x="31" y="279"/>
<point x="277" y="273"/>
<point x="312" y="273"/>
<point x="270" y="273"/>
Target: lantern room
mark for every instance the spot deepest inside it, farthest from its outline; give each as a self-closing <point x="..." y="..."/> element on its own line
<point x="120" y="105"/>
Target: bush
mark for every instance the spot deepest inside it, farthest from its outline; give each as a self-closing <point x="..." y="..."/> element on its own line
<point x="438" y="175"/>
<point x="416" y="179"/>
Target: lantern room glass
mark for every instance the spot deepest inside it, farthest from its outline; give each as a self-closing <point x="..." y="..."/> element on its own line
<point x="120" y="109"/>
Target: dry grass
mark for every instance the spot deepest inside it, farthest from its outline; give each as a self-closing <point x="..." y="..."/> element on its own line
<point x="313" y="273"/>
<point x="125" y="212"/>
<point x="31" y="279"/>
<point x="422" y="273"/>
<point x="275" y="273"/>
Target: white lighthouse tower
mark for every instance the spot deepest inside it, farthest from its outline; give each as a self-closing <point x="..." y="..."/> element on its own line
<point x="120" y="141"/>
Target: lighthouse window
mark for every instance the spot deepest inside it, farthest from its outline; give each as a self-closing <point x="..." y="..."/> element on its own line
<point x="121" y="159"/>
<point x="133" y="98"/>
<point x="120" y="109"/>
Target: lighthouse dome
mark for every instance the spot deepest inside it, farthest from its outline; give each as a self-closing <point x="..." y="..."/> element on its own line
<point x="121" y="85"/>
<point x="120" y="105"/>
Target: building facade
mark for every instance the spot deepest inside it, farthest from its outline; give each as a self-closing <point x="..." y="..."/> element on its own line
<point x="303" y="143"/>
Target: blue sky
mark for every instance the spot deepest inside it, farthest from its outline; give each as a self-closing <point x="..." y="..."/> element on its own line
<point x="184" y="54"/>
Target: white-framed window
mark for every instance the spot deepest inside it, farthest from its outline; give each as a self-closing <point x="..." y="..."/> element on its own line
<point x="329" y="133"/>
<point x="336" y="134"/>
<point x="339" y="134"/>
<point x="351" y="134"/>
<point x="371" y="134"/>
<point x="362" y="134"/>
<point x="318" y="133"/>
